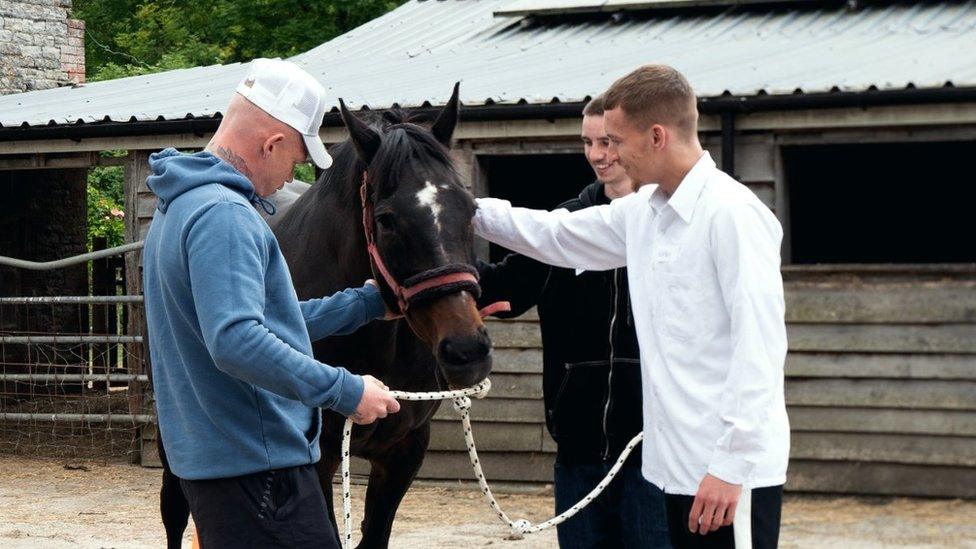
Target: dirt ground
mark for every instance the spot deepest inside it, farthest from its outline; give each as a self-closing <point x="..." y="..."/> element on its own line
<point x="44" y="504"/>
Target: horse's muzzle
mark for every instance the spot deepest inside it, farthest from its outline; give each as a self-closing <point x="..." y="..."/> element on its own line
<point x="465" y="360"/>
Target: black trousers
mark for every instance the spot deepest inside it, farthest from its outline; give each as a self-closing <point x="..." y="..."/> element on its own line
<point x="762" y="527"/>
<point x="280" y="508"/>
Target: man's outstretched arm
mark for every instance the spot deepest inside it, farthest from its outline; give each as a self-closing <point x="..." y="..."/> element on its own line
<point x="592" y="238"/>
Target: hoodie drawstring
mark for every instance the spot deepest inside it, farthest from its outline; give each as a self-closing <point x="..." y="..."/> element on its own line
<point x="267" y="206"/>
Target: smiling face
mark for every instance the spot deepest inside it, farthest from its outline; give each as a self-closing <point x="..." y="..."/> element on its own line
<point x="596" y="148"/>
<point x="632" y="148"/>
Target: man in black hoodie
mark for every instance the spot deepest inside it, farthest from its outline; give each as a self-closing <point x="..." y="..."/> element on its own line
<point x="591" y="373"/>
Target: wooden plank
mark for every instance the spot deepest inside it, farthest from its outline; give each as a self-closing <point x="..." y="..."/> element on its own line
<point x="882" y="420"/>
<point x="515" y="386"/>
<point x="548" y="444"/>
<point x="896" y="116"/>
<point x="898" y="366"/>
<point x="884" y="448"/>
<point x="533" y="147"/>
<point x="885" y="393"/>
<point x="498" y="466"/>
<point x="754" y="160"/>
<point x="499" y="409"/>
<point x="515" y="335"/>
<point x="782" y="207"/>
<point x="890" y="479"/>
<point x="837" y="477"/>
<point x="143" y="227"/>
<point x="146" y="206"/>
<point x="96" y="144"/>
<point x="872" y="136"/>
<point x="521" y="361"/>
<point x="490" y="437"/>
<point x="945" y="338"/>
<point x="148" y="448"/>
<point x="888" y="303"/>
<point x="508" y="129"/>
<point x="58" y="161"/>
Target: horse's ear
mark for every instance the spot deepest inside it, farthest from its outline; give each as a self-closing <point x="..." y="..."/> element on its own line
<point x="443" y="128"/>
<point x="365" y="139"/>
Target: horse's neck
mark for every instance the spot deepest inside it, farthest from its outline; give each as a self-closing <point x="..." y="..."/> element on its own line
<point x="324" y="245"/>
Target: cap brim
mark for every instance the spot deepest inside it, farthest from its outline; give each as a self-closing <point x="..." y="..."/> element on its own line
<point x="316" y="150"/>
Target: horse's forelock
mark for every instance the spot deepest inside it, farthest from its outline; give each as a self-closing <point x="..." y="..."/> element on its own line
<point x="408" y="146"/>
<point x="405" y="145"/>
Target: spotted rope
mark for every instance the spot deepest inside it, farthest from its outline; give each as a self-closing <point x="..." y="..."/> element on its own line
<point x="462" y="403"/>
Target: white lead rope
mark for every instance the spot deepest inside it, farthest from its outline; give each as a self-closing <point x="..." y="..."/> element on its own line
<point x="462" y="404"/>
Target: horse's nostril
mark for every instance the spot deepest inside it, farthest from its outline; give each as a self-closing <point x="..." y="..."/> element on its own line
<point x="463" y="351"/>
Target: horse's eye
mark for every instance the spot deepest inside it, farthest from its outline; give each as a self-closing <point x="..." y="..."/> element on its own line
<point x="385" y="221"/>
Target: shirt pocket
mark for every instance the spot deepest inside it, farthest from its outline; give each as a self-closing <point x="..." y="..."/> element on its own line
<point x="681" y="301"/>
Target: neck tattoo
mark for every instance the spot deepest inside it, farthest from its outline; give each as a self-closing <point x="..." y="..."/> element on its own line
<point x="233" y="159"/>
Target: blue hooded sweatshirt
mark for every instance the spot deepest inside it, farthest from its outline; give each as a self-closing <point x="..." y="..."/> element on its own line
<point x="237" y="389"/>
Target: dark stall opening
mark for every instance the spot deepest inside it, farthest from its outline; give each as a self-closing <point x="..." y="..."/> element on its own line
<point x="541" y="181"/>
<point x="881" y="203"/>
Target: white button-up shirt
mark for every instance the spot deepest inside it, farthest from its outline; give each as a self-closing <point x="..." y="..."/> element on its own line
<point x="707" y="295"/>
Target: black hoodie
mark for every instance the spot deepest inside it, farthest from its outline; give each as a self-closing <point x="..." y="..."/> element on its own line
<point x="591" y="361"/>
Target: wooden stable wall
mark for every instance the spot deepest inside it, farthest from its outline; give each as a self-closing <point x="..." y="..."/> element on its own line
<point x="881" y="389"/>
<point x="881" y="371"/>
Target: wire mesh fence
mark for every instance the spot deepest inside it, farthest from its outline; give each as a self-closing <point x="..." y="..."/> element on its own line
<point x="73" y="378"/>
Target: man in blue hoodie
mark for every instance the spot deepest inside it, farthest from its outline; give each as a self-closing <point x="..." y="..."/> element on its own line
<point x="238" y="394"/>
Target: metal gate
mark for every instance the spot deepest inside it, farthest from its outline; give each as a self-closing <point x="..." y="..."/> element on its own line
<point x="73" y="369"/>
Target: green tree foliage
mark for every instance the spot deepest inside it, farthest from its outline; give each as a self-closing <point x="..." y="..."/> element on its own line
<point x="134" y="37"/>
<point x="128" y="37"/>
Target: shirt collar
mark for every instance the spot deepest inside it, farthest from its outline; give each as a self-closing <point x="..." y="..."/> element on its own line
<point x="685" y="198"/>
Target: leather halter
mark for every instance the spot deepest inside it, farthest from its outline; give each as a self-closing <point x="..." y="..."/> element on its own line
<point x="430" y="283"/>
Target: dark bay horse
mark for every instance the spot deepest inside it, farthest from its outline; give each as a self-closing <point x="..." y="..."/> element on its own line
<point x="421" y="224"/>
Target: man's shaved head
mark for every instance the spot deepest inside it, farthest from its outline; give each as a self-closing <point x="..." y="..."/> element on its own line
<point x="258" y="145"/>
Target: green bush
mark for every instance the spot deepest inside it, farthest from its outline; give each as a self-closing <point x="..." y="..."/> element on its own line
<point x="106" y="203"/>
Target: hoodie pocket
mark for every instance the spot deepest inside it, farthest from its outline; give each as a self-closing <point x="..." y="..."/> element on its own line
<point x="312" y="435"/>
<point x="578" y="410"/>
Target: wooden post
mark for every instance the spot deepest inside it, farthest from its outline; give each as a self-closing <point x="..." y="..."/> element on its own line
<point x="476" y="181"/>
<point x="138" y="200"/>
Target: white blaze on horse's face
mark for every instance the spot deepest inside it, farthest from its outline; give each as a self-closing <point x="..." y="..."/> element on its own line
<point x="428" y="199"/>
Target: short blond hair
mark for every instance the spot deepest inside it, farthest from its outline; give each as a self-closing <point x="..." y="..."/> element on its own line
<point x="655" y="94"/>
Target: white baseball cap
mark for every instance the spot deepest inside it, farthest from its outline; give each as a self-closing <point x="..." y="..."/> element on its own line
<point x="285" y="91"/>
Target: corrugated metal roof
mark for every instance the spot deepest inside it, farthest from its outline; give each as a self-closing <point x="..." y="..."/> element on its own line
<point x="414" y="54"/>
<point x="548" y="7"/>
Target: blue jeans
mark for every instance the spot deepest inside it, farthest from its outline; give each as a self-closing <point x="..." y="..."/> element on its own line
<point x="629" y="513"/>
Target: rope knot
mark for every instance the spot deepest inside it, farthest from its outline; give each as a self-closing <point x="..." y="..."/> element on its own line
<point x="462" y="404"/>
<point x="482" y="388"/>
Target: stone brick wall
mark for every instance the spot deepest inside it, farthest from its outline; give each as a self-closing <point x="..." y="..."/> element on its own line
<point x="40" y="45"/>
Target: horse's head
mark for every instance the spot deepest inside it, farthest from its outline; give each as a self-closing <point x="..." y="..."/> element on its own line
<point x="420" y="217"/>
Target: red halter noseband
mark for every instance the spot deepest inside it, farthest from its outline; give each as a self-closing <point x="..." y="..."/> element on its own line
<point x="440" y="280"/>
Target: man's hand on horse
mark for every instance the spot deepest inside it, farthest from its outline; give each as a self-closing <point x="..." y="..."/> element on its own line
<point x="714" y="505"/>
<point x="376" y="402"/>
<point x="390" y="315"/>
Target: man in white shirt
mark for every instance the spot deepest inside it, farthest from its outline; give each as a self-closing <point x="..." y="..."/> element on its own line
<point x="703" y="257"/>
